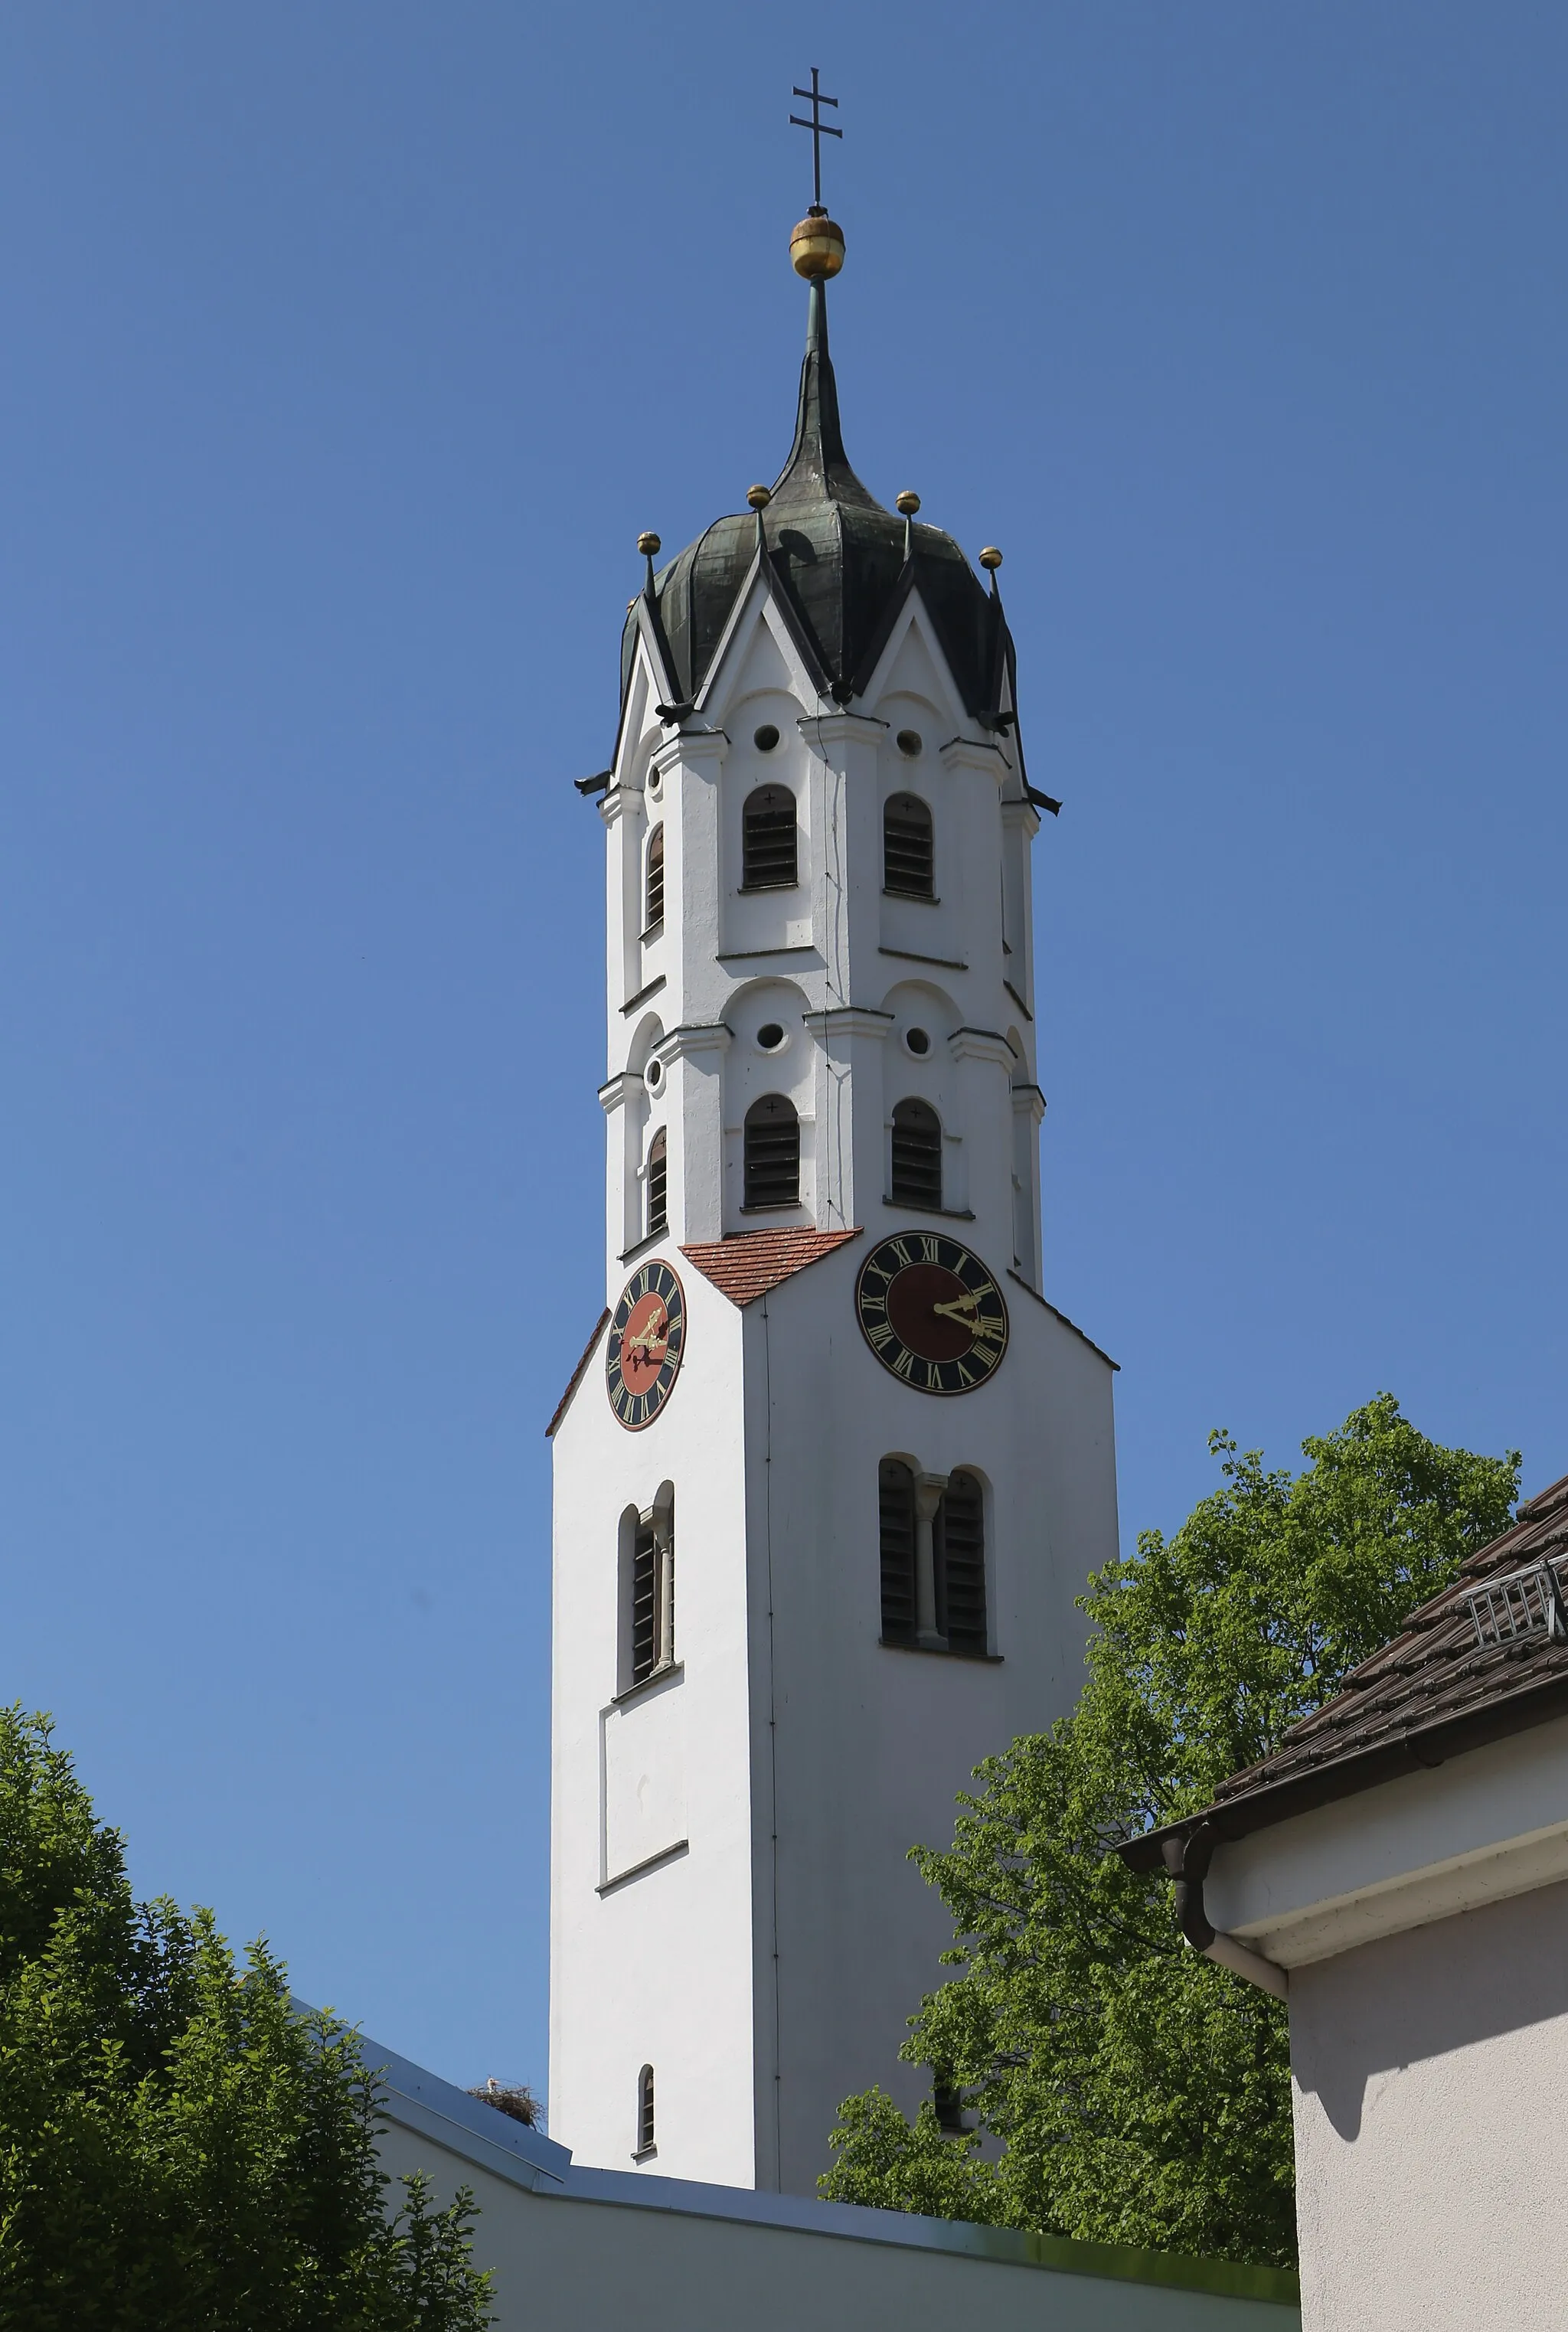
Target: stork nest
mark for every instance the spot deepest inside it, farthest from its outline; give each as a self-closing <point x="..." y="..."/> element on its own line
<point x="516" y="2101"/>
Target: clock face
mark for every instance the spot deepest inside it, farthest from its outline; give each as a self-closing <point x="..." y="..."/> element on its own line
<point x="648" y="1332"/>
<point x="931" y="1313"/>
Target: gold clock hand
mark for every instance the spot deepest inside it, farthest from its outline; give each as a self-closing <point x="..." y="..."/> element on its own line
<point x="963" y="1307"/>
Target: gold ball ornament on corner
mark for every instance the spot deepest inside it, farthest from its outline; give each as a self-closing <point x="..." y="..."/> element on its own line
<point x="649" y="544"/>
<point x="990" y="558"/>
<point x="817" y="246"/>
<point x="759" y="497"/>
<point x="907" y="502"/>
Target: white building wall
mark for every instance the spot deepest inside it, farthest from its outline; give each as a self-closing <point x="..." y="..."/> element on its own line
<point x="768" y="1969"/>
<point x="872" y="1744"/>
<point x="1431" y="2070"/>
<point x="656" y="1969"/>
<point x="601" y="2250"/>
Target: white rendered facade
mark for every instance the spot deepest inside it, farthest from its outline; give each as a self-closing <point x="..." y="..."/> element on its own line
<point x="1424" y="1925"/>
<point x="731" y="1900"/>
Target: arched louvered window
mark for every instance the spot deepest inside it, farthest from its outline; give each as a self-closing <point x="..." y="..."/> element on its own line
<point x="658" y="1160"/>
<point x="652" y="1588"/>
<point x="771" y="1141"/>
<point x="654" y="903"/>
<point x="959" y="1553"/>
<point x="644" y="1602"/>
<point x="949" y="2103"/>
<point x="916" y="1155"/>
<point x="646" y="2134"/>
<point x="895" y="1501"/>
<point x="768" y="844"/>
<point x="908" y="848"/>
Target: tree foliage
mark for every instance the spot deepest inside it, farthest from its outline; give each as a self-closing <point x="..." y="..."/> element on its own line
<point x="179" y="2147"/>
<point x="1121" y="2086"/>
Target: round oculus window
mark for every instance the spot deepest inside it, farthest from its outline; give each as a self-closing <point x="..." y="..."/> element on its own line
<point x="769" y="1036"/>
<point x="765" y="738"/>
<point x="655" y="1074"/>
<point x="910" y="743"/>
<point x="918" y="1042"/>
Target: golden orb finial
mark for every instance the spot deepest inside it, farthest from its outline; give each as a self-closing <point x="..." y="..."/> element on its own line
<point x="649" y="544"/>
<point x="907" y="502"/>
<point x="759" y="497"/>
<point x="990" y="558"/>
<point x="817" y="246"/>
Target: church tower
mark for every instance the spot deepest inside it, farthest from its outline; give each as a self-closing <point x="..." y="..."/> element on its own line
<point x="832" y="1470"/>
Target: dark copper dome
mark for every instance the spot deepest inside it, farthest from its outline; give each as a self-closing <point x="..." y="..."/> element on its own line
<point x="842" y="564"/>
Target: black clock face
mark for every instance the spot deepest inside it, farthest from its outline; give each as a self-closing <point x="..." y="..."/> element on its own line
<point x="642" y="1355"/>
<point x="931" y="1313"/>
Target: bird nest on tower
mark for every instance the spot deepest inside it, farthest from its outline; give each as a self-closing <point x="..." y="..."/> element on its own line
<point x="513" y="2100"/>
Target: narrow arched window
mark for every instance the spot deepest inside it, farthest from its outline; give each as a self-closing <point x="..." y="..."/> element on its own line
<point x="916" y="1155"/>
<point x="652" y="1590"/>
<point x="896" y="1508"/>
<point x="644" y="1601"/>
<point x="658" y="1160"/>
<point x="948" y="2100"/>
<point x="653" y="901"/>
<point x="772" y="1143"/>
<point x="959" y="1552"/>
<point x="645" y="2134"/>
<point x="768" y="848"/>
<point x="908" y="848"/>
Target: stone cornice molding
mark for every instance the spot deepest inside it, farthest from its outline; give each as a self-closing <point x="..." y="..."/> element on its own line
<point x="690" y="749"/>
<point x="982" y="1044"/>
<point x="971" y="753"/>
<point x="619" y="1090"/>
<point x="614" y="805"/>
<point x="847" y="1020"/>
<point x="1030" y="1098"/>
<point x="820" y="728"/>
<point x="695" y="1036"/>
<point x="1021" y="816"/>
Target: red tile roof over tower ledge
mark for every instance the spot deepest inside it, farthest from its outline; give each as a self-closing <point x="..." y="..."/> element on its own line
<point x="749" y="1263"/>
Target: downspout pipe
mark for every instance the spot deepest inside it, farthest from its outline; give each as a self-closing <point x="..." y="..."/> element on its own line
<point x="1188" y="1859"/>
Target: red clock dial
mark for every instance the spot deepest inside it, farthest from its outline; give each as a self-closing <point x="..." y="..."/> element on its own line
<point x="643" y="1352"/>
<point x="931" y="1313"/>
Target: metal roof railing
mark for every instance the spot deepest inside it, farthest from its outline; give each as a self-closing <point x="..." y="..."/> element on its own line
<point x="1524" y="1602"/>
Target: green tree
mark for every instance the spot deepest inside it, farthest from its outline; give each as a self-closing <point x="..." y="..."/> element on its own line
<point x="1122" y="2088"/>
<point x="179" y="2147"/>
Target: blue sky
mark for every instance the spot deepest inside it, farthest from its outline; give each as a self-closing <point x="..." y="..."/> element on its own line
<point x="348" y="349"/>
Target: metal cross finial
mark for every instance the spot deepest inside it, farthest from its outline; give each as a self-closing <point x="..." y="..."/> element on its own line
<point x="819" y="130"/>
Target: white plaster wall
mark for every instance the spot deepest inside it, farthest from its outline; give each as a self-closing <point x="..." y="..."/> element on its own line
<point x="750" y="1073"/>
<point x="839" y="941"/>
<point x="1430" y="2073"/>
<point x="659" y="1970"/>
<point x="774" y="1432"/>
<point x="595" y="2266"/>
<point x="872" y="1744"/>
<point x="1489" y="1823"/>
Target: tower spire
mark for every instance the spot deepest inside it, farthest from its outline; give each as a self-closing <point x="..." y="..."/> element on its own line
<point x="817" y="459"/>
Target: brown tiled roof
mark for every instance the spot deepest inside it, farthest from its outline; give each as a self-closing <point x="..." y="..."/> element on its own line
<point x="750" y="1263"/>
<point x="1449" y="1682"/>
<point x="576" y="1377"/>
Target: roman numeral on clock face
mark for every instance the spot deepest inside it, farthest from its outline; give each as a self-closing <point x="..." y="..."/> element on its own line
<point x="647" y="1332"/>
<point x="931" y="1313"/>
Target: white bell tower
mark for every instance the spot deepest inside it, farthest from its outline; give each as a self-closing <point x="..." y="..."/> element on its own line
<point x="832" y="1470"/>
